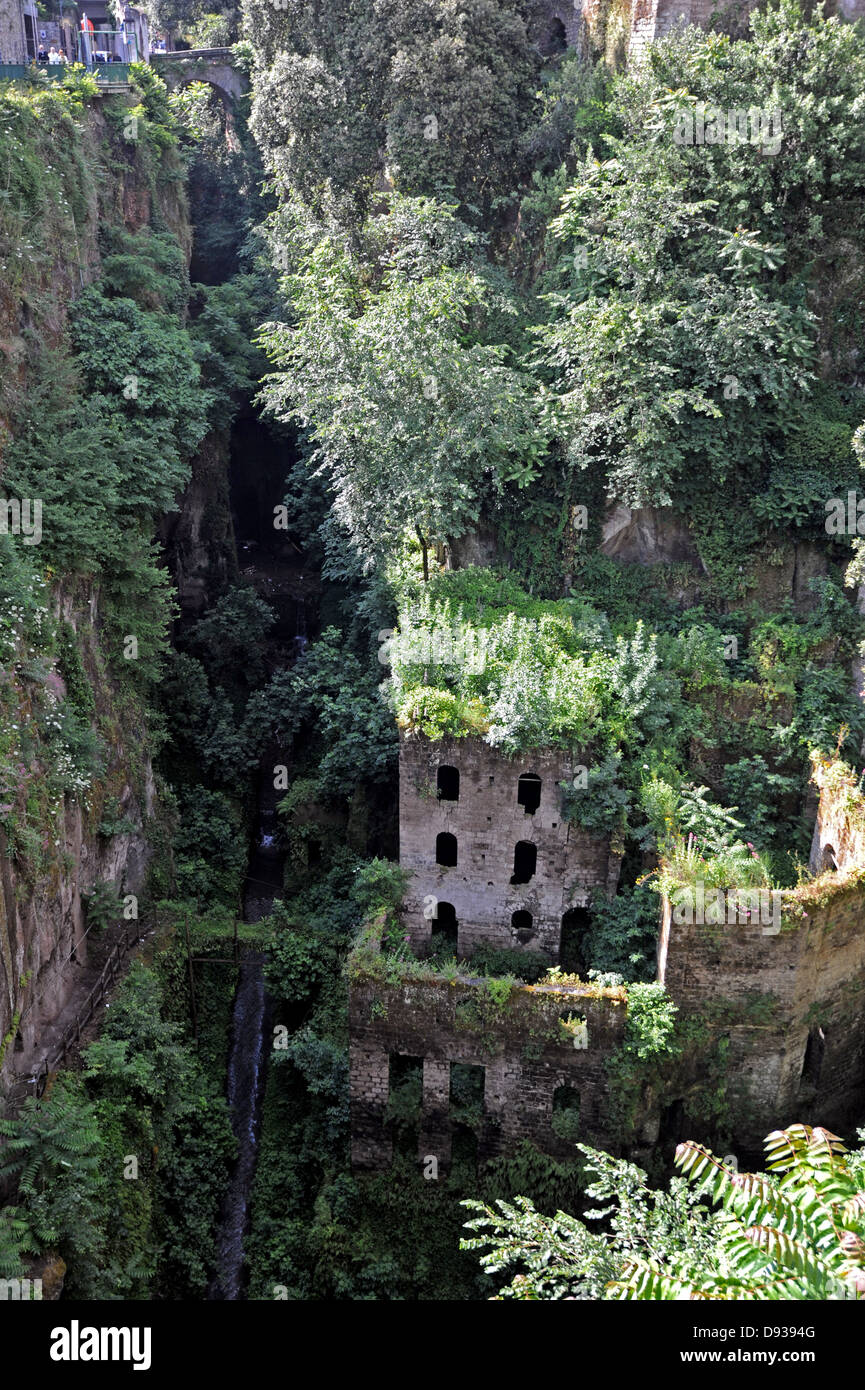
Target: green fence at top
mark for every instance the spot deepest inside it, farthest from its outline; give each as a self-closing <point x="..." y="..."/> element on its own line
<point x="106" y="74"/>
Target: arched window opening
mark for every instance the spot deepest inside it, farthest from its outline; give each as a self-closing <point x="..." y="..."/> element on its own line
<point x="815" y="1051"/>
<point x="445" y="929"/>
<point x="565" y="1121"/>
<point x="19" y="1042"/>
<point x="828" y="862"/>
<point x="446" y="849"/>
<point x="529" y="792"/>
<point x="573" y="956"/>
<point x="521" y="923"/>
<point x="448" y="783"/>
<point x="525" y="861"/>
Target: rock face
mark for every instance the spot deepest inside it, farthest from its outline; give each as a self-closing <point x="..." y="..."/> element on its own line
<point x="99" y="835"/>
<point x="648" y="536"/>
<point x="839" y="834"/>
<point x="474" y="548"/>
<point x="94" y="838"/>
<point x="199" y="535"/>
<point x="50" y="1270"/>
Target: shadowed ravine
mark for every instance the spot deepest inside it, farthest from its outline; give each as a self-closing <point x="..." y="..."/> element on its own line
<point x="245" y="1085"/>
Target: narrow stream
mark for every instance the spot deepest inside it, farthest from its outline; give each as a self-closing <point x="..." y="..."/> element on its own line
<point x="278" y="577"/>
<point x="247" y="1064"/>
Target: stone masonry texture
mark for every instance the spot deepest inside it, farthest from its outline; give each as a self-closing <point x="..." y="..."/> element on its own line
<point x="488" y="822"/>
<point x="518" y="1044"/>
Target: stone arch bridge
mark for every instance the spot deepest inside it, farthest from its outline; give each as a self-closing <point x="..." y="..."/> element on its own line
<point x="216" y="66"/>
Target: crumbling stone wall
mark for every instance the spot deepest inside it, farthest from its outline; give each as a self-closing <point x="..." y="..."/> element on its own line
<point x="839" y="832"/>
<point x="488" y="822"/>
<point x="613" y="27"/>
<point x="791" y="1004"/>
<point x="557" y="18"/>
<point x="518" y="1043"/>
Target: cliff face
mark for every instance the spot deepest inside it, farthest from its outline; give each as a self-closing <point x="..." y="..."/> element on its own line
<point x="77" y="790"/>
<point x="200" y="534"/>
<point x="64" y="835"/>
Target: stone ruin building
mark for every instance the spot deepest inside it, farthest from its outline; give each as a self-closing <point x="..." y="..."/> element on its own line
<point x="492" y="861"/>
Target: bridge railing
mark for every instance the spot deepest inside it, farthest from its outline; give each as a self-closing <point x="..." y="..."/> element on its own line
<point x="106" y="74"/>
<point x="207" y="55"/>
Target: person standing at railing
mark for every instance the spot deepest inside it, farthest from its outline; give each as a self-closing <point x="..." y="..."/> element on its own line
<point x="87" y="40"/>
<point x="54" y="55"/>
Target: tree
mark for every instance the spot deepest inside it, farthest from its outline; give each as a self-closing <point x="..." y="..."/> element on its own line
<point x="412" y="417"/>
<point x="796" y="1231"/>
<point x="430" y="97"/>
<point x="681" y="339"/>
<point x="671" y="359"/>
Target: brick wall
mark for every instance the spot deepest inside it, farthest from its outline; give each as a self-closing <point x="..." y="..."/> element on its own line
<point x="524" y="1062"/>
<point x="488" y="822"/>
<point x="791" y="1004"/>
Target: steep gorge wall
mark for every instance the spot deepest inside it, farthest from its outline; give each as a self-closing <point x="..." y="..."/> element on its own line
<point x="52" y="854"/>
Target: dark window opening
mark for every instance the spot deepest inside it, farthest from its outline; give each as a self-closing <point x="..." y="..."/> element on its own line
<point x="448" y="783"/>
<point x="313" y="852"/>
<point x="405" y="1102"/>
<point x="565" y="1121"/>
<point x="525" y="861"/>
<point x="828" y="863"/>
<point x="464" y="1148"/>
<point x="467" y="1092"/>
<point x="529" y="792"/>
<point x="19" y="1042"/>
<point x="521" y="923"/>
<point x="445" y="928"/>
<point x="815" y="1050"/>
<point x="573" y="957"/>
<point x="672" y="1124"/>
<point x="446" y="849"/>
<point x="402" y="1068"/>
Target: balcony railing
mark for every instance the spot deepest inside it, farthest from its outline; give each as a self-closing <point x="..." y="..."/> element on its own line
<point x="106" y="74"/>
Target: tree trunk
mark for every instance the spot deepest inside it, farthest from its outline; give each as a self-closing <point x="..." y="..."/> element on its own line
<point x="425" y="549"/>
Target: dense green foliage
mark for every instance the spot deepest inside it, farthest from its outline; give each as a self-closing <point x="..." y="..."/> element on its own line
<point x="486" y="304"/>
<point x="794" y="1232"/>
<point x="121" y="1169"/>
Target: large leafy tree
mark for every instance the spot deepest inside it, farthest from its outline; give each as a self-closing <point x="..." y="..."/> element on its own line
<point x="682" y="340"/>
<point x="430" y="96"/>
<point x="796" y="1231"/>
<point x="414" y="419"/>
